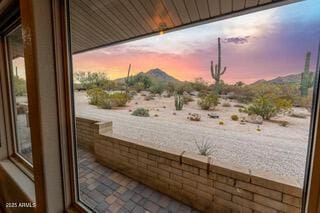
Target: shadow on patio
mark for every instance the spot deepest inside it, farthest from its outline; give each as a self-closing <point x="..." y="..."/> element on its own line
<point x="105" y="190"/>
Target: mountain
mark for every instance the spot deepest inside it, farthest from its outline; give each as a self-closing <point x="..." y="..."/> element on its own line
<point x="155" y="74"/>
<point x="293" y="78"/>
<point x="159" y="74"/>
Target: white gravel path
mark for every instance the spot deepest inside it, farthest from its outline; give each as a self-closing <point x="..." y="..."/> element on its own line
<point x="277" y="150"/>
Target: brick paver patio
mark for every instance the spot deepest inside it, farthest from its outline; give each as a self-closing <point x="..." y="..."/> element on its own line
<point x="105" y="190"/>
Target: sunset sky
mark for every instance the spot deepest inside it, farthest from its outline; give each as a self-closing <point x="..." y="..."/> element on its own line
<point x="261" y="45"/>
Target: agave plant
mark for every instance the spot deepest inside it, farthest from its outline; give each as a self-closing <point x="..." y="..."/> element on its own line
<point x="204" y="148"/>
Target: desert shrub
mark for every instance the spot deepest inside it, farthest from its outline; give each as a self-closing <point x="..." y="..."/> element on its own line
<point x="221" y="123"/>
<point x="234" y="117"/>
<point x="20" y="86"/>
<point x="90" y="80"/>
<point x="105" y="102"/>
<point x="144" y="81"/>
<point x="170" y="89"/>
<point x="187" y="99"/>
<point x="243" y="94"/>
<point x="208" y="102"/>
<point x="95" y="95"/>
<point x="102" y="99"/>
<point x="119" y="99"/>
<point x="204" y="148"/>
<point x="108" y="101"/>
<point x="203" y="93"/>
<point x="282" y="104"/>
<point x="185" y="87"/>
<point x="157" y="88"/>
<point x="226" y="104"/>
<point x="139" y="86"/>
<point x="239" y="84"/>
<point x="141" y="112"/>
<point x="199" y="85"/>
<point x="262" y="107"/>
<point x="267" y="108"/>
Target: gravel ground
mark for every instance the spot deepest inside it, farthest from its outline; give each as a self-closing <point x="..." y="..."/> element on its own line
<point x="280" y="151"/>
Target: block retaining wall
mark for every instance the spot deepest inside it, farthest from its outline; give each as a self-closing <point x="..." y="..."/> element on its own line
<point x="193" y="179"/>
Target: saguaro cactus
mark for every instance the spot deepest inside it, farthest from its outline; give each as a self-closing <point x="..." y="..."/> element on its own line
<point x="217" y="71"/>
<point x="306" y="77"/>
<point x="178" y="101"/>
<point x="127" y="80"/>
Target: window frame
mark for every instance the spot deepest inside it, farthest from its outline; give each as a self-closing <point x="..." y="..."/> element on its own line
<point x="8" y="104"/>
<point x="58" y="13"/>
<point x="15" y="153"/>
<point x="311" y="186"/>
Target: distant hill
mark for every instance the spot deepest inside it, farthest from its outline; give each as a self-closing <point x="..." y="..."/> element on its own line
<point x="293" y="78"/>
<point x="155" y="74"/>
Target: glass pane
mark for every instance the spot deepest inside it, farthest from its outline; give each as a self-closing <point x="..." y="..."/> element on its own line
<point x="214" y="114"/>
<point x="19" y="93"/>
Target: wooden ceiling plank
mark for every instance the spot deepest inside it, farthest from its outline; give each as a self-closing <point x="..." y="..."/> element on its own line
<point x="78" y="19"/>
<point x="110" y="17"/>
<point x="136" y="15"/>
<point x="238" y="5"/>
<point x="81" y="41"/>
<point x="214" y="8"/>
<point x="173" y="13"/>
<point x="139" y="7"/>
<point x="182" y="11"/>
<point x="203" y="8"/>
<point x="251" y="3"/>
<point x="97" y="19"/>
<point x="118" y="12"/>
<point x="80" y="35"/>
<point x="192" y="9"/>
<point x="226" y="6"/>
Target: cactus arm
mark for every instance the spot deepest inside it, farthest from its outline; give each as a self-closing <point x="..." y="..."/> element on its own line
<point x="224" y="70"/>
<point x="219" y="55"/>
<point x="212" y="70"/>
<point x="306" y="76"/>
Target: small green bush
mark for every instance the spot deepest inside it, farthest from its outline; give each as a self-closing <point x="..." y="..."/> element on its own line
<point x="221" y="123"/>
<point x="119" y="99"/>
<point x="95" y="95"/>
<point x="156" y="89"/>
<point x="141" y="112"/>
<point x="208" y="102"/>
<point x="138" y="87"/>
<point x="104" y="100"/>
<point x="234" y="117"/>
<point x="267" y="107"/>
<point x="90" y="80"/>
